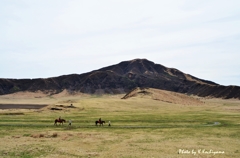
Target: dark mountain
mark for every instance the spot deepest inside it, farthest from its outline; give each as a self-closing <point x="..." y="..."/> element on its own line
<point x="122" y="78"/>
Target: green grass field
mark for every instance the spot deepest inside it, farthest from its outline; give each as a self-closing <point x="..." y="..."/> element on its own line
<point x="140" y="127"/>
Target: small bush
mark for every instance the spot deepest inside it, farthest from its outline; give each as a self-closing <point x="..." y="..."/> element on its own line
<point x="41" y="135"/>
<point x="54" y="135"/>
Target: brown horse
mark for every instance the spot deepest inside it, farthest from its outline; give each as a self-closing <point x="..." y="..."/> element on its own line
<point x="100" y="123"/>
<point x="60" y="121"/>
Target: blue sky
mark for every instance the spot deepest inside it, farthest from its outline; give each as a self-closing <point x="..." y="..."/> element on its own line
<point x="42" y="38"/>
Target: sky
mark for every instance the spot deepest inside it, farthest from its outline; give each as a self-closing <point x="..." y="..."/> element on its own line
<point x="49" y="38"/>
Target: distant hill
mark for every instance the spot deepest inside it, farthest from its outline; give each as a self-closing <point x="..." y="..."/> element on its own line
<point x="163" y="95"/>
<point x="122" y="78"/>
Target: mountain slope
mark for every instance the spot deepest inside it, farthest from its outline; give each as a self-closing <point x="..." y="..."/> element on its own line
<point x="122" y="78"/>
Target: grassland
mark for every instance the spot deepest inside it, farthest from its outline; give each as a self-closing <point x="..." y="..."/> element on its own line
<point x="140" y="127"/>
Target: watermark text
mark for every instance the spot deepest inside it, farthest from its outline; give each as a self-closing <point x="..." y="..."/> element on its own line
<point x="200" y="151"/>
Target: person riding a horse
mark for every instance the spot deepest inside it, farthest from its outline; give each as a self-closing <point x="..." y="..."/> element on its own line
<point x="100" y="122"/>
<point x="59" y="120"/>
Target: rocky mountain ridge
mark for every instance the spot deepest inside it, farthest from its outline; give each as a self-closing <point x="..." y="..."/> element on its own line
<point x="121" y="78"/>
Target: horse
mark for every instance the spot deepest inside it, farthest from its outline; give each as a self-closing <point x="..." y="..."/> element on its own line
<point x="100" y="123"/>
<point x="60" y="121"/>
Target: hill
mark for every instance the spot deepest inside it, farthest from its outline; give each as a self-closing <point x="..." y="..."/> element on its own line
<point x="122" y="78"/>
<point x="163" y="95"/>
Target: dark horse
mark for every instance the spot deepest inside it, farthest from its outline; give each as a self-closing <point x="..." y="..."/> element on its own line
<point x="60" y="121"/>
<point x="100" y="123"/>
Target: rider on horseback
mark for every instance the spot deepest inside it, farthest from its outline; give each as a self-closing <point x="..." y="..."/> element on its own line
<point x="99" y="120"/>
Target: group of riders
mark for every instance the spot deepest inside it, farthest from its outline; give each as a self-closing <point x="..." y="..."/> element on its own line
<point x="70" y="121"/>
<point x="60" y="120"/>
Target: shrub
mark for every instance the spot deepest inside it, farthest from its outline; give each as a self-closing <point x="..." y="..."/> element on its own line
<point x="54" y="135"/>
